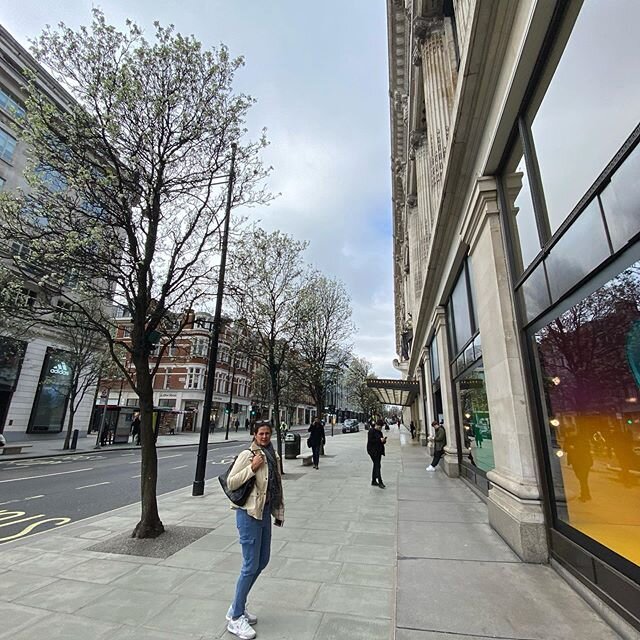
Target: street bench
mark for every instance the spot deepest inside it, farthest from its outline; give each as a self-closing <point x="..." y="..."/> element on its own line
<point x="306" y="459"/>
<point x="14" y="449"/>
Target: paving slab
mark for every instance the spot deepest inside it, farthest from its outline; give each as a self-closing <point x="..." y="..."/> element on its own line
<point x="154" y="578"/>
<point x="127" y="606"/>
<point x="365" y="602"/>
<point x="16" y="617"/>
<point x="16" y="584"/>
<point x="192" y="616"/>
<point x="518" y="601"/>
<point x="367" y="575"/>
<point x="61" y="626"/>
<point x="456" y="541"/>
<point x="64" y="596"/>
<point x="337" y="627"/>
<point x="443" y="512"/>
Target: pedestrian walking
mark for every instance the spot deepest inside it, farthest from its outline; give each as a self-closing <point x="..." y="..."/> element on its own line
<point x="135" y="428"/>
<point x="236" y="424"/>
<point x="412" y="428"/>
<point x="375" y="449"/>
<point x="254" y="521"/>
<point x="246" y="424"/>
<point x="316" y="440"/>
<point x="439" y="443"/>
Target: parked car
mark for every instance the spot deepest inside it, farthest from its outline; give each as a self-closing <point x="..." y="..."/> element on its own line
<point x="350" y="426"/>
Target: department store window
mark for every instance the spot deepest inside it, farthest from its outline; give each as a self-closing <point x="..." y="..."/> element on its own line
<point x="435" y="364"/>
<point x="590" y="106"/>
<point x="473" y="416"/>
<point x="461" y="315"/>
<point x="621" y="201"/>
<point x="517" y="191"/>
<point x="589" y="357"/>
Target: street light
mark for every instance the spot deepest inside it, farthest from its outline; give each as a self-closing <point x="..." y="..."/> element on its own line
<point x="201" y="464"/>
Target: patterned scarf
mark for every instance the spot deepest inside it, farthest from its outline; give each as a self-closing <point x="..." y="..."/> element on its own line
<point x="274" y="488"/>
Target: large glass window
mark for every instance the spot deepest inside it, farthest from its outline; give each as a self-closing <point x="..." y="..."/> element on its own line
<point x="53" y="393"/>
<point x="460" y="312"/>
<point x="473" y="415"/>
<point x="520" y="206"/>
<point x="590" y="362"/>
<point x="591" y="105"/>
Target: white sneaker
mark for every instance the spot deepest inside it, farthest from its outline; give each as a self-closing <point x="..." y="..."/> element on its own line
<point x="431" y="468"/>
<point x="251" y="618"/>
<point x="241" y="628"/>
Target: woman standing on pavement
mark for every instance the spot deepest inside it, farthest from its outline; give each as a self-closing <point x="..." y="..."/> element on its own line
<point x="254" y="521"/>
<point x="375" y="449"/>
<point x="316" y="440"/>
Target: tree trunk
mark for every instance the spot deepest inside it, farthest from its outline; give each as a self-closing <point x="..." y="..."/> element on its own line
<point x="72" y="399"/>
<point x="67" y="438"/>
<point x="150" y="525"/>
<point x="276" y="411"/>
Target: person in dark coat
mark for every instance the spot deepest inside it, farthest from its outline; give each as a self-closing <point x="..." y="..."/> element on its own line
<point x="316" y="440"/>
<point x="135" y="428"/>
<point x="439" y="443"/>
<point x="375" y="449"/>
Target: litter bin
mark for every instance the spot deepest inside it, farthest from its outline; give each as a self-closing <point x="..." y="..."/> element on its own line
<point x="291" y="445"/>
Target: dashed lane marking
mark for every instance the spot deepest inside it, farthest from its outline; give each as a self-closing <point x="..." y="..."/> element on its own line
<point x="139" y="476"/>
<point x="46" y="475"/>
<point x="184" y="466"/>
<point x="88" y="486"/>
<point x="21" y="500"/>
<point x="175" y="455"/>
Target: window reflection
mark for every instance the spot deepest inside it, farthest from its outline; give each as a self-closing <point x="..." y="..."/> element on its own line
<point x="473" y="416"/>
<point x="569" y="261"/>
<point x="590" y="107"/>
<point x="460" y="311"/>
<point x="520" y="204"/>
<point x="535" y="293"/>
<point x="621" y="201"/>
<point x="590" y="359"/>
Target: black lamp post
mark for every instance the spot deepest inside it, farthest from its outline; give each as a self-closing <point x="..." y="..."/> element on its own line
<point x="201" y="465"/>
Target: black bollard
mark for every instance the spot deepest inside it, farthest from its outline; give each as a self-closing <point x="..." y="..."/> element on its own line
<point x="74" y="439"/>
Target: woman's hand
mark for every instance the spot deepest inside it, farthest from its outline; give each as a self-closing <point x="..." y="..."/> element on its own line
<point x="256" y="462"/>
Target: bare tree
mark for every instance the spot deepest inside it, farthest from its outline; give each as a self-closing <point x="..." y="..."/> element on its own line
<point x="266" y="281"/>
<point x="358" y="372"/>
<point x="324" y="340"/>
<point x="127" y="190"/>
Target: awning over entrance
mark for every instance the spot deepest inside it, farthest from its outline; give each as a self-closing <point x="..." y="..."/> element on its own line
<point x="398" y="392"/>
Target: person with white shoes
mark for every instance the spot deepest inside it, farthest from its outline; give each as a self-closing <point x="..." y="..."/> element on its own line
<point x="439" y="443"/>
<point x="254" y="521"/>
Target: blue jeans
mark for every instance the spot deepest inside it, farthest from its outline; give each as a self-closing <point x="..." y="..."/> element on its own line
<point x="255" y="538"/>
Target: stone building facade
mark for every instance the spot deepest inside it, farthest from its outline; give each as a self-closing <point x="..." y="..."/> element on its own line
<point x="34" y="369"/>
<point x="516" y="221"/>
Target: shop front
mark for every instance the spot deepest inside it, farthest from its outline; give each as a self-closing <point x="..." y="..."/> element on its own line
<point x="575" y="267"/>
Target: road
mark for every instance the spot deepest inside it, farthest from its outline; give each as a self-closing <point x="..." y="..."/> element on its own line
<point x="43" y="493"/>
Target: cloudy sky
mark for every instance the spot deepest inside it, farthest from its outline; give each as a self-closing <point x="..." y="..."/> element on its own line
<point x="319" y="73"/>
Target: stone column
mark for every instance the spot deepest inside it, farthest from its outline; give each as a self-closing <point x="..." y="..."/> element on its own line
<point x="425" y="398"/>
<point x="515" y="508"/>
<point x="450" y="459"/>
<point x="439" y="76"/>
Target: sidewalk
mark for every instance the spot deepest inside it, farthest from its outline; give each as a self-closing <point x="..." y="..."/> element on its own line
<point x="416" y="561"/>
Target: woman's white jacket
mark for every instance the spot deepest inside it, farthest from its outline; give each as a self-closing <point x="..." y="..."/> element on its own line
<point x="241" y="472"/>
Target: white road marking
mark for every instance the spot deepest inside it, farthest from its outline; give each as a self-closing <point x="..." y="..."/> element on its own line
<point x="88" y="486"/>
<point x="184" y="466"/>
<point x="21" y="500"/>
<point x="134" y="462"/>
<point x="175" y="455"/>
<point x="47" y="475"/>
<point x="132" y="477"/>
